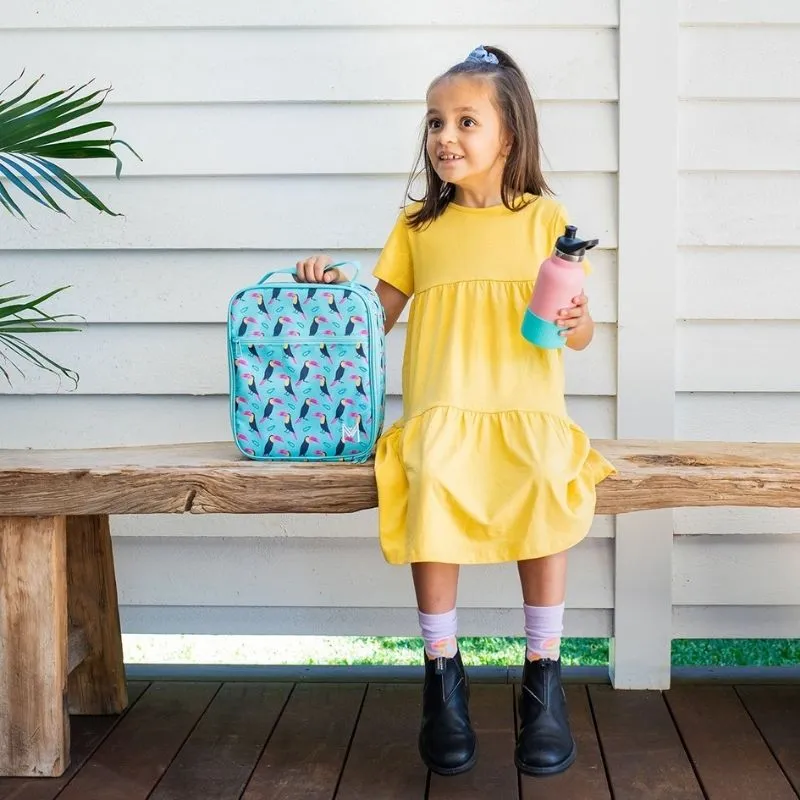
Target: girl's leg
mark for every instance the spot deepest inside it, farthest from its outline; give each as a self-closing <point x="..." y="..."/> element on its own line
<point x="436" y="586"/>
<point x="545" y="744"/>
<point x="544" y="585"/>
<point x="446" y="739"/>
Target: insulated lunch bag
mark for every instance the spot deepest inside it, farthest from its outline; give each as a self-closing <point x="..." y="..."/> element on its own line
<point x="307" y="369"/>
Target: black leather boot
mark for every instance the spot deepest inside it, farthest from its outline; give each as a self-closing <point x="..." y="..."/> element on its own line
<point x="544" y="744"/>
<point x="446" y="740"/>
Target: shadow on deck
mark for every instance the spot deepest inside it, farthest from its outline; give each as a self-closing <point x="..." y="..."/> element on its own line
<point x="309" y="740"/>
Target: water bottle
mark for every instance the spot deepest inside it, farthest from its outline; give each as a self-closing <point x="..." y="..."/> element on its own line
<point x="560" y="279"/>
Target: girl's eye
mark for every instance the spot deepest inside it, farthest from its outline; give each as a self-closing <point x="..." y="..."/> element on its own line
<point x="468" y="122"/>
<point x="433" y="124"/>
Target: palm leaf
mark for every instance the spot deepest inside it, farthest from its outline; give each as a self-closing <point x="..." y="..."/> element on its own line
<point x="35" y="131"/>
<point x="23" y="314"/>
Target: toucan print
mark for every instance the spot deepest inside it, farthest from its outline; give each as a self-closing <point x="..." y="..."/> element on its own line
<point x="351" y="324"/>
<point x="293" y="296"/>
<point x="323" y="385"/>
<point x="307" y="443"/>
<point x="251" y="418"/>
<point x="287" y="385"/>
<point x="245" y="322"/>
<point x="259" y="298"/>
<point x="359" y="385"/>
<point x="269" y="407"/>
<point x="323" y="423"/>
<point x="272" y="365"/>
<point x="279" y="325"/>
<point x="271" y="443"/>
<point x="315" y="324"/>
<point x="306" y="369"/>
<point x="342" y="407"/>
<point x="332" y="303"/>
<point x="343" y="365"/>
<point x="287" y="422"/>
<point x="251" y="384"/>
<point x="306" y="407"/>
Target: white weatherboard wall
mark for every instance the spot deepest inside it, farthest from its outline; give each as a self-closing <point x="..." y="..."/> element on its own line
<point x="269" y="131"/>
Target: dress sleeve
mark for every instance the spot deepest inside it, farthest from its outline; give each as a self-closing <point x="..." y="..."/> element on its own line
<point x="395" y="264"/>
<point x="560" y="221"/>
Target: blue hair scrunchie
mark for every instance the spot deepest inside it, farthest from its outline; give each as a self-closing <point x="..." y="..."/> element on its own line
<point x="481" y="55"/>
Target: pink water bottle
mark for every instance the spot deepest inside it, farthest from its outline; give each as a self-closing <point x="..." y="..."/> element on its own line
<point x="560" y="279"/>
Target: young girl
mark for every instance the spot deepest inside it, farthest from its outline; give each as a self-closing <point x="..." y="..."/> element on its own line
<point x="485" y="466"/>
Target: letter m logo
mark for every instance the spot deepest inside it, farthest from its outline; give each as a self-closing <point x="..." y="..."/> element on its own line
<point x="353" y="433"/>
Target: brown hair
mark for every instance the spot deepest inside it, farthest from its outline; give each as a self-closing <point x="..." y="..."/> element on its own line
<point x="522" y="172"/>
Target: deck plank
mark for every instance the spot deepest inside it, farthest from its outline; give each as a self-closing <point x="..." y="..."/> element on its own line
<point x="586" y="778"/>
<point x="304" y="757"/>
<point x="87" y="733"/>
<point x="384" y="763"/>
<point x="492" y="713"/>
<point x="730" y="757"/>
<point x="219" y="756"/>
<point x="776" y="712"/>
<point x="132" y="759"/>
<point x="643" y="751"/>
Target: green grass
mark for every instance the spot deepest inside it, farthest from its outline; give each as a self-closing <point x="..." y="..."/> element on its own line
<point x="593" y="652"/>
<point x="492" y="651"/>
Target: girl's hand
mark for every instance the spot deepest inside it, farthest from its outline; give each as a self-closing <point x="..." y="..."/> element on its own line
<point x="577" y="323"/>
<point x="312" y="270"/>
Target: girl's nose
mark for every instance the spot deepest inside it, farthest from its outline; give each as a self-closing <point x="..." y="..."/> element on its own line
<point x="447" y="134"/>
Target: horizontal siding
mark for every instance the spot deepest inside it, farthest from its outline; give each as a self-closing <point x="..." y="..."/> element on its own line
<point x="737" y="356"/>
<point x="736" y="570"/>
<point x="122" y="420"/>
<point x="304" y="13"/>
<point x="250" y="65"/>
<point x="321" y="572"/>
<point x="747" y="283"/>
<point x="358" y="525"/>
<point x="755" y="209"/>
<point x="736" y="622"/>
<point x="296" y="212"/>
<point x="739" y="12"/>
<point x="244" y="620"/>
<point x="193" y="138"/>
<point x="737" y="521"/>
<point x="738" y="416"/>
<point x="738" y="135"/>
<point x="192" y="359"/>
<point x="744" y="62"/>
<point x="127" y="286"/>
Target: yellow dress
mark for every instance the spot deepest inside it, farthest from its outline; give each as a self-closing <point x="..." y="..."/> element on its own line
<point x="485" y="465"/>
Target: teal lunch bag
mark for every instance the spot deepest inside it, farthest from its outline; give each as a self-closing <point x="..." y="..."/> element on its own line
<point x="307" y="365"/>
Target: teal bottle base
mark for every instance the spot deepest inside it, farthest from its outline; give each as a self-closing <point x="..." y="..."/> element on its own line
<point x="541" y="332"/>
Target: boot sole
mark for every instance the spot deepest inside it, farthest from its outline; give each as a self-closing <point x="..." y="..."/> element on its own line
<point x="448" y="771"/>
<point x="552" y="770"/>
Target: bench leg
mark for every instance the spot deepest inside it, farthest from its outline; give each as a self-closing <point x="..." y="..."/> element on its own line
<point x="97" y="685"/>
<point x="34" y="725"/>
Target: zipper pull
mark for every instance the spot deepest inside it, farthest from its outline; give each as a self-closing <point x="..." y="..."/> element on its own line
<point x="440" y="665"/>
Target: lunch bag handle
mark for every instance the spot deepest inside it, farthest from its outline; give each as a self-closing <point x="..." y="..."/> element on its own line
<point x="356" y="267"/>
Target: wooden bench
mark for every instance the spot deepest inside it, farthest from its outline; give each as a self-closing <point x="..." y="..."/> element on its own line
<point x="60" y="646"/>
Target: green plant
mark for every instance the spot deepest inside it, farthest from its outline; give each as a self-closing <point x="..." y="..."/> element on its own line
<point x="34" y="134"/>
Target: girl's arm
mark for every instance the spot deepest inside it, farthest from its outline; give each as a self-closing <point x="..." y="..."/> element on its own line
<point x="312" y="270"/>
<point x="393" y="302"/>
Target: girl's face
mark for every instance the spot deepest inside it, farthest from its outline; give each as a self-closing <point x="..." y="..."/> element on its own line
<point x="466" y="142"/>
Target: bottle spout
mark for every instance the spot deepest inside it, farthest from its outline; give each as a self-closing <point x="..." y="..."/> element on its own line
<point x="570" y="245"/>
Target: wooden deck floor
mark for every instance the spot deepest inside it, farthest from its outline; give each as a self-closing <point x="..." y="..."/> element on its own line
<point x="308" y="741"/>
